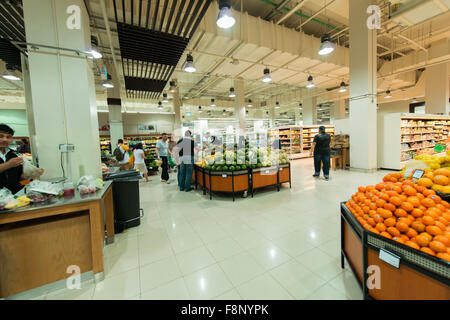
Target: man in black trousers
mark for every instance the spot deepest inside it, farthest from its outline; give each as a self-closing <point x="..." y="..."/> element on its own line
<point x="321" y="150"/>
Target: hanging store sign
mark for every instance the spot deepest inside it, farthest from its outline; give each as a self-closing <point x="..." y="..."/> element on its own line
<point x="146" y="127"/>
<point x="104" y="128"/>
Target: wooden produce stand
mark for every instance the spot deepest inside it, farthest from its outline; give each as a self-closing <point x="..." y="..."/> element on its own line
<point x="240" y="181"/>
<point x="419" y="276"/>
<point x="39" y="242"/>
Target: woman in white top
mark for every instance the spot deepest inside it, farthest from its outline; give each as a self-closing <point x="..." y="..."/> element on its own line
<point x="139" y="161"/>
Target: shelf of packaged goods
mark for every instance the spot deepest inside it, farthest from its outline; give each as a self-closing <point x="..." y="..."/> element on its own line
<point x="428" y="126"/>
<point x="428" y="132"/>
<point x="422" y="140"/>
<point x="417" y="148"/>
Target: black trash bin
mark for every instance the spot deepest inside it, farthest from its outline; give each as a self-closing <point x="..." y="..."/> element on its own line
<point x="127" y="211"/>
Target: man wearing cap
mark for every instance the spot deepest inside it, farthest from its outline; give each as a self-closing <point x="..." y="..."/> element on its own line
<point x="321" y="150"/>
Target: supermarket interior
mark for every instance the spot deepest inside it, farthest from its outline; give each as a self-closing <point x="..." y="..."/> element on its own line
<point x="224" y="150"/>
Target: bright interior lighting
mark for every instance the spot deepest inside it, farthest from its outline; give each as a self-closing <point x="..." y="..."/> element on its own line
<point x="326" y="48"/>
<point x="388" y="95"/>
<point x="108" y="84"/>
<point x="343" y="89"/>
<point x="232" y="95"/>
<point x="10" y="77"/>
<point x="310" y="85"/>
<point x="225" y="19"/>
<point x="95" y="54"/>
<point x="189" y="67"/>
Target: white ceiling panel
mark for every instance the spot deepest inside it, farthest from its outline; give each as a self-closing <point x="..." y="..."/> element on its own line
<point x="423" y="12"/>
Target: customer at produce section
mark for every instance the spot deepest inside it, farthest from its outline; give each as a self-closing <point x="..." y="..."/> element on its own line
<point x="139" y="161"/>
<point x="321" y="149"/>
<point x="11" y="166"/>
<point x="162" y="153"/>
<point x="24" y="146"/>
<point x="124" y="163"/>
<point x="176" y="157"/>
<point x="186" y="153"/>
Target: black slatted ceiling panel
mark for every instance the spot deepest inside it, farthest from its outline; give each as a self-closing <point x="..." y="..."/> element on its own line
<point x="11" y="29"/>
<point x="153" y="36"/>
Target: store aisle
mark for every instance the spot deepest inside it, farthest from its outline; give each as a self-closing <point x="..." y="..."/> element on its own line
<point x="278" y="245"/>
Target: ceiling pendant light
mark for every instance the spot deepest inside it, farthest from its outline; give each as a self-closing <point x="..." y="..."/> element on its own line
<point x="249" y="103"/>
<point x="327" y="46"/>
<point x="94" y="48"/>
<point x="232" y="94"/>
<point x="164" y="100"/>
<point x="225" y="20"/>
<point x="342" y="88"/>
<point x="310" y="83"/>
<point x="267" y="113"/>
<point x="108" y="83"/>
<point x="224" y="112"/>
<point x="172" y="87"/>
<point x="246" y="111"/>
<point x="160" y="105"/>
<point x="189" y="66"/>
<point x="414" y="100"/>
<point x="199" y="109"/>
<point x="277" y="105"/>
<point x="213" y="104"/>
<point x="267" y="78"/>
<point x="10" y="74"/>
<point x="388" y="94"/>
<point x="300" y="106"/>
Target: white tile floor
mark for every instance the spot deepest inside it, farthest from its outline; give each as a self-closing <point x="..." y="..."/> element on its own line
<point x="277" y="245"/>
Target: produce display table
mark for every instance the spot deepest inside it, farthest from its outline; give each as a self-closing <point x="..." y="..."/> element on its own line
<point x="39" y="242"/>
<point x="240" y="181"/>
<point x="419" y="276"/>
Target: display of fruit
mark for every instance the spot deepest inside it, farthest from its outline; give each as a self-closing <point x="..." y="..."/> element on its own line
<point x="406" y="212"/>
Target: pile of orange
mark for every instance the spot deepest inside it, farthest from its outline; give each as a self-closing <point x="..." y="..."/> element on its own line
<point x="405" y="212"/>
<point x="438" y="180"/>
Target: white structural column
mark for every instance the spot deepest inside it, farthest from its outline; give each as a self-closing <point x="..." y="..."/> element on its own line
<point x="29" y="106"/>
<point x="338" y="110"/>
<point x="437" y="89"/>
<point x="178" y="126"/>
<point x="297" y="116"/>
<point x="115" y="124"/>
<point x="363" y="88"/>
<point x="62" y="86"/>
<point x="239" y="107"/>
<point x="310" y="111"/>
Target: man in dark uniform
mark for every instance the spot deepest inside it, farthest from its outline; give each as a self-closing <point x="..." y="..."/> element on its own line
<point x="11" y="168"/>
<point x="321" y="150"/>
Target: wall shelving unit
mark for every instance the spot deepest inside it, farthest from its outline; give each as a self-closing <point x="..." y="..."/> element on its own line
<point x="407" y="135"/>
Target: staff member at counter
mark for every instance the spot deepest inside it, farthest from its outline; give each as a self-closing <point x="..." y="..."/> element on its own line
<point x="11" y="166"/>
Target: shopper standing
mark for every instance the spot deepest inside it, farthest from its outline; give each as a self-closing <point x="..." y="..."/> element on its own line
<point x="24" y="146"/>
<point x="11" y="166"/>
<point x="122" y="156"/>
<point x="162" y="152"/>
<point x="321" y="150"/>
<point x="139" y="161"/>
<point x="187" y="150"/>
<point x="176" y="158"/>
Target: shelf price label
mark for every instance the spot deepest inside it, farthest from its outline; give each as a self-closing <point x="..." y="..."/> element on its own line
<point x="390" y="258"/>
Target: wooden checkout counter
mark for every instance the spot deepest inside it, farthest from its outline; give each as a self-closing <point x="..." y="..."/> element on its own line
<point x="39" y="242"/>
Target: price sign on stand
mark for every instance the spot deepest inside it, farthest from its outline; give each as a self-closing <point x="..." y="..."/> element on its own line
<point x="417" y="174"/>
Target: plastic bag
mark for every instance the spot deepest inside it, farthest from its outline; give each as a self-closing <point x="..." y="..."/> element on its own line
<point x="30" y="171"/>
<point x="5" y="197"/>
<point x="45" y="187"/>
<point x="37" y="196"/>
<point x="87" y="184"/>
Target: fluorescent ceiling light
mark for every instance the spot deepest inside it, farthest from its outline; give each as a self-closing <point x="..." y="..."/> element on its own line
<point x="10" y="76"/>
<point x="327" y="46"/>
<point x="225" y="20"/>
<point x="267" y="78"/>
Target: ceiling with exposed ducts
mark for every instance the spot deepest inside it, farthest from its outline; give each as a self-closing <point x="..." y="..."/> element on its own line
<point x="151" y="42"/>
